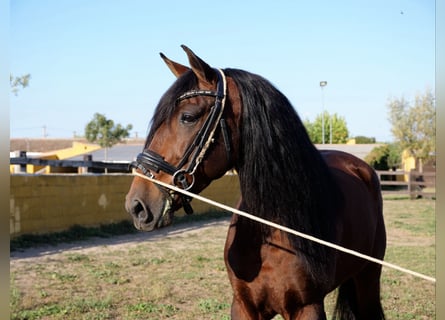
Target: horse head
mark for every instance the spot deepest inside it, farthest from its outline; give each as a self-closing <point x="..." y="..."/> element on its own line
<point x="192" y="141"/>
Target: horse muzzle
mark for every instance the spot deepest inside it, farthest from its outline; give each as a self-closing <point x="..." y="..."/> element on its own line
<point x="146" y="218"/>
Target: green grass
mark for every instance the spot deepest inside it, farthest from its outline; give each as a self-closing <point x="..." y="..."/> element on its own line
<point x="183" y="276"/>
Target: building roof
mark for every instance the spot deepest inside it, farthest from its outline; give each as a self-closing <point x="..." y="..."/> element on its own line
<point x="127" y="152"/>
<point x="51" y="144"/>
<point x="40" y="145"/>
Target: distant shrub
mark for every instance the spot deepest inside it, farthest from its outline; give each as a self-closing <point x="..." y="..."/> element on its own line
<point x="364" y="140"/>
<point x="385" y="157"/>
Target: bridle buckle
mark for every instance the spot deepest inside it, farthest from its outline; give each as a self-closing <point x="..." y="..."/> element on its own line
<point x="180" y="179"/>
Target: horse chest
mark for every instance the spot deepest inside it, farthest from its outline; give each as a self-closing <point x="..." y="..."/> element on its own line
<point x="262" y="269"/>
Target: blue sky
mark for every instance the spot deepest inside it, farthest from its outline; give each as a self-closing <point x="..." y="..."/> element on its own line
<point x="88" y="56"/>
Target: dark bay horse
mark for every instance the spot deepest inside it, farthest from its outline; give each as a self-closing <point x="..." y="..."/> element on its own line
<point x="210" y="121"/>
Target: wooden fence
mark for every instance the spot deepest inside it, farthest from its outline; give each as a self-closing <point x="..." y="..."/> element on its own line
<point x="81" y="166"/>
<point x="413" y="183"/>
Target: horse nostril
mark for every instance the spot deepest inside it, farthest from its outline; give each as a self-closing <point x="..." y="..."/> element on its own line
<point x="137" y="207"/>
<point x="139" y="211"/>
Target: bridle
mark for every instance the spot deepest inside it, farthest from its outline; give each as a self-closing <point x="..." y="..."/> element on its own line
<point x="149" y="161"/>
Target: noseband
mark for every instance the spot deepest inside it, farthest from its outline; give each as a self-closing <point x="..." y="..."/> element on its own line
<point x="149" y="161"/>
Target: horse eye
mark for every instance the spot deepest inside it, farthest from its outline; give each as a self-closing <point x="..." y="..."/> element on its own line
<point x="188" y="118"/>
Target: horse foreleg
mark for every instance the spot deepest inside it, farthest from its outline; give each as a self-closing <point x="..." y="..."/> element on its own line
<point x="240" y="311"/>
<point x="245" y="310"/>
<point x="309" y="312"/>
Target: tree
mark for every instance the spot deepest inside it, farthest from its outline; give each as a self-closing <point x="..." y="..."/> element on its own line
<point x="17" y="82"/>
<point x="394" y="155"/>
<point x="378" y="158"/>
<point x="339" y="129"/>
<point x="414" y="126"/>
<point x="104" y="132"/>
<point x="385" y="157"/>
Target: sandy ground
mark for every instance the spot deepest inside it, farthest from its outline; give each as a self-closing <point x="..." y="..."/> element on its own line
<point x="395" y="237"/>
<point x="116" y="242"/>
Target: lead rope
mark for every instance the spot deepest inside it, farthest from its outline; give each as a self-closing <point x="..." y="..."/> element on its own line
<point x="291" y="231"/>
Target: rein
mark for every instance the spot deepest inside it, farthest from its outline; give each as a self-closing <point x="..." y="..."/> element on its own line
<point x="149" y="161"/>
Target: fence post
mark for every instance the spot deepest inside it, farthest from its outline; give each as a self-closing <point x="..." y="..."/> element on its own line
<point x="22" y="168"/>
<point x="411" y="190"/>
<point x="86" y="169"/>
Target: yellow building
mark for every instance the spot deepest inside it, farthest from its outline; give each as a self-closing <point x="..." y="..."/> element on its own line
<point x="78" y="148"/>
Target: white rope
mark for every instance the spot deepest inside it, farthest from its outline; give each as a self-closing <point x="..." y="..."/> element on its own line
<point x="291" y="231"/>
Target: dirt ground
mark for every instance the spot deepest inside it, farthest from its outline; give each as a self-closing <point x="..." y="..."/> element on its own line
<point x="122" y="242"/>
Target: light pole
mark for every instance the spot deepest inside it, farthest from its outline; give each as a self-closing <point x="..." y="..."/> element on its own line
<point x="330" y="128"/>
<point x="322" y="85"/>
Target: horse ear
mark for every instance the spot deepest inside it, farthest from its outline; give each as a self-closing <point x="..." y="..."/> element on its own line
<point x="202" y="70"/>
<point x="177" y="68"/>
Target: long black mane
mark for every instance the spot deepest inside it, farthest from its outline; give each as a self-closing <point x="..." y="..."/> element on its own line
<point x="282" y="175"/>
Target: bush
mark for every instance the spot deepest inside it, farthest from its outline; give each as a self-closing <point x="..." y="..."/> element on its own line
<point x="385" y="157"/>
<point x="364" y="140"/>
